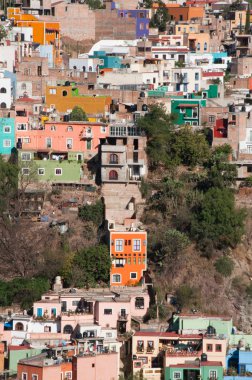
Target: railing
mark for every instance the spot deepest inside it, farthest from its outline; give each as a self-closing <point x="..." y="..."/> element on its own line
<point x="87" y="135"/>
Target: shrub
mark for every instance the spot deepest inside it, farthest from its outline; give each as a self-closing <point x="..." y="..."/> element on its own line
<point x="187" y="296"/>
<point x="225" y="266"/>
<point x="92" y="213"/>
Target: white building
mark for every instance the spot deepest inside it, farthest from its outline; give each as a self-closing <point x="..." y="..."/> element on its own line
<point x="6" y="92"/>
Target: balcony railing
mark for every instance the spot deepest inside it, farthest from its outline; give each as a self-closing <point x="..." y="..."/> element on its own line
<point x="87" y="135"/>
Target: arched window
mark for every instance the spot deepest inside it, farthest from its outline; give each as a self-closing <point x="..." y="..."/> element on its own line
<point x="3" y="105"/>
<point x="113" y="159"/>
<point x="3" y="90"/>
<point x="23" y="86"/>
<point x="74" y="67"/>
<point x="68" y="329"/>
<point x="64" y="93"/>
<point x="113" y="175"/>
<point x="19" y="326"/>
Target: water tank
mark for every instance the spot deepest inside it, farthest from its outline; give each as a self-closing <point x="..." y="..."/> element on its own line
<point x="144" y="107"/>
<point x="211" y="330"/>
<point x="142" y="94"/>
<point x="203" y="357"/>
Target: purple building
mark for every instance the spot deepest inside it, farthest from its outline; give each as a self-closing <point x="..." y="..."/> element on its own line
<point x="141" y="16"/>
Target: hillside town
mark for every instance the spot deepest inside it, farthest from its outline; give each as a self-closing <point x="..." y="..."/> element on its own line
<point x="125" y="176"/>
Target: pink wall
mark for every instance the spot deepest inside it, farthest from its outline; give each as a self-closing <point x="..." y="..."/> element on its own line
<point x="139" y="312"/>
<point x="75" y="319"/>
<point x="47" y="307"/>
<point x="110" y="320"/>
<point x="98" y="367"/>
<point x="59" y="133"/>
<point x="216" y="344"/>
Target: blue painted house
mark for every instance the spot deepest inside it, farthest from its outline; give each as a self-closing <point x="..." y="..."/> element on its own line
<point x="7" y="135"/>
<point x="107" y="61"/>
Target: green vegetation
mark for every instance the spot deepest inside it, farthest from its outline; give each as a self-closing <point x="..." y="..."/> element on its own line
<point x="92" y="213"/>
<point x="94" y="4"/>
<point x="8" y="183"/>
<point x="225" y="266"/>
<point x="88" y="267"/>
<point x="3" y="33"/>
<point x="160" y="17"/>
<point x="187" y="296"/>
<point x="78" y="114"/>
<point x="23" y="291"/>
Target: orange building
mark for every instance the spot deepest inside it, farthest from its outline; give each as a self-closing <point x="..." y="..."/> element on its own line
<point x="65" y="98"/>
<point x="187" y="13"/>
<point x="128" y="251"/>
<point x="44" y="32"/>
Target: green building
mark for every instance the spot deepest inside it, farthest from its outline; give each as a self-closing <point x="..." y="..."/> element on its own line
<point x="52" y="168"/>
<point x="187" y="111"/>
<point x="189" y="323"/>
<point x="197" y="370"/>
<point x="20" y="353"/>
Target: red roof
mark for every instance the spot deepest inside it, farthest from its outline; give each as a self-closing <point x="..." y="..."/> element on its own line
<point x="213" y="74"/>
<point x="16" y="348"/>
<point x="191" y="105"/>
<point x="168" y="334"/>
<point x="202" y="364"/>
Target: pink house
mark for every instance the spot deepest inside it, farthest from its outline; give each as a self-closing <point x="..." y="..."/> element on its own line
<point x="81" y="137"/>
<point x="96" y="367"/>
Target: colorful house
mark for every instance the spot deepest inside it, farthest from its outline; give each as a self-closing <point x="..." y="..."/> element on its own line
<point x="7" y="135"/>
<point x="128" y="251"/>
<point x="44" y="32"/>
<point x="107" y="61"/>
<point x="205" y="370"/>
<point x="65" y="98"/>
<point x="188" y="111"/>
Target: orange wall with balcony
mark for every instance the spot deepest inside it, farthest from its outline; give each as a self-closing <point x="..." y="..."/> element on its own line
<point x="85" y="137"/>
<point x="128" y="251"/>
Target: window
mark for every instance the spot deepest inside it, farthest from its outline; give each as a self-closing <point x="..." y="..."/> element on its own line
<point x="118" y="245"/>
<point x="3" y="90"/>
<point x="109" y="335"/>
<point x="6" y="143"/>
<point x="198" y="46"/>
<point x="26" y="156"/>
<point x="133" y="275"/>
<point x="52" y="91"/>
<point x="89" y="144"/>
<point x="139" y="303"/>
<point x="176" y="375"/>
<point x="218" y="348"/>
<point x="69" y="128"/>
<point x="213" y="374"/>
<point x="113" y="159"/>
<point x="69" y="143"/>
<point x="3" y="105"/>
<point x="68" y="375"/>
<point x="136" y="245"/>
<point x="24" y="376"/>
<point x="103" y="129"/>
<point x="211" y="118"/>
<point x="209" y="347"/>
<point x="107" y="311"/>
<point x="113" y="175"/>
<point x="150" y="345"/>
<point x="22" y="127"/>
<point x="116" y="278"/>
<point x="39" y="312"/>
<point x="58" y="171"/>
<point x="25" y="171"/>
<point x="196" y="76"/>
<point x="75" y="303"/>
<point x="68" y="329"/>
<point x="26" y="140"/>
<point x="182" y="110"/>
<point x="7" y="129"/>
<point x="47" y="329"/>
<point x="64" y="93"/>
<point x="141" y="25"/>
<point x="196" y="87"/>
<point x="140" y="346"/>
<point x="205" y="46"/>
<point x="19" y="326"/>
<point x="53" y="128"/>
<point x="119" y="263"/>
<point x="48" y="142"/>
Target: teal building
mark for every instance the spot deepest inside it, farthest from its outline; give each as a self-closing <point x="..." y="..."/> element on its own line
<point x="197" y="370"/>
<point x="7" y="135"/>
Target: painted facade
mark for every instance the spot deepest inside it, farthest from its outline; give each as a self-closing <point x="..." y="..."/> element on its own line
<point x="7" y="135"/>
<point x="188" y="112"/>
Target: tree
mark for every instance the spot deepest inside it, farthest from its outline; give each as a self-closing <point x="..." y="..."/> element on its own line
<point x="92" y="213"/>
<point x="158" y="126"/>
<point x="78" y="114"/>
<point x="217" y="219"/>
<point x="172" y="244"/>
<point x="90" y="266"/>
<point x="247" y="24"/>
<point x="160" y="18"/>
<point x="3" y="33"/>
<point x="187" y="296"/>
<point x="8" y="183"/>
<point x="190" y="148"/>
<point x="94" y="4"/>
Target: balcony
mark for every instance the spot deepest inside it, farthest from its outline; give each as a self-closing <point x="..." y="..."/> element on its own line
<point x="87" y="134"/>
<point x="122" y="317"/>
<point x="124" y="131"/>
